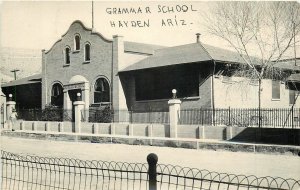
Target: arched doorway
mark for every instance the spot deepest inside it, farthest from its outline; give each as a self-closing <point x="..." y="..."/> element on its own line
<point x="57" y="95"/>
<point x="101" y="91"/>
<point x="77" y="84"/>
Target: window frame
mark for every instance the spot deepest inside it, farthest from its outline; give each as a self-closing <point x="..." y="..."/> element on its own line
<point x="294" y="96"/>
<point x="65" y="56"/>
<point x="273" y="90"/>
<point x="77" y="48"/>
<point x="85" y="60"/>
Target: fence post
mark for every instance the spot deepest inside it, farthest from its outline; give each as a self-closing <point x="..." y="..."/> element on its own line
<point x="78" y="106"/>
<point x="174" y="111"/>
<point x="112" y="129"/>
<point x="61" y="127"/>
<point x="229" y="122"/>
<point x="152" y="161"/>
<point x="293" y="117"/>
<point x="34" y="126"/>
<point x="10" y="107"/>
<point x="22" y="125"/>
<point x="95" y="128"/>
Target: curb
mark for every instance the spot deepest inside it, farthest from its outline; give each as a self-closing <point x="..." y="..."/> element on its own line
<point x="161" y="142"/>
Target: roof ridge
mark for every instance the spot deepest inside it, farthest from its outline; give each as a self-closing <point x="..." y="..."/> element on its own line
<point x="144" y="43"/>
<point x="206" y="50"/>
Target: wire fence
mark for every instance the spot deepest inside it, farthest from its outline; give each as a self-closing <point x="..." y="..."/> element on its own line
<point x="33" y="172"/>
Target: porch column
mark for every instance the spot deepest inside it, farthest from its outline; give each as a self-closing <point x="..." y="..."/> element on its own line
<point x="3" y="104"/>
<point x="86" y="99"/>
<point x="10" y="106"/>
<point x="78" y="106"/>
<point x="67" y="101"/>
<point x="174" y="107"/>
<point x="67" y="106"/>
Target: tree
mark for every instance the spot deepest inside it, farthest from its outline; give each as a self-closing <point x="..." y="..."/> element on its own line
<point x="262" y="33"/>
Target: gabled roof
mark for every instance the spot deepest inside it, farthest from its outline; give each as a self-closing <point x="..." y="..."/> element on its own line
<point x="27" y="80"/>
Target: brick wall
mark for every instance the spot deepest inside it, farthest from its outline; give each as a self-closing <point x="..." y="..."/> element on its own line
<point x="55" y="69"/>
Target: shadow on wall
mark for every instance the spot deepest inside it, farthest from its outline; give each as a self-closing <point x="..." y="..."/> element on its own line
<point x="269" y="136"/>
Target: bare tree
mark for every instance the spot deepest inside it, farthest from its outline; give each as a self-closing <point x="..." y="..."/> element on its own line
<point x="260" y="32"/>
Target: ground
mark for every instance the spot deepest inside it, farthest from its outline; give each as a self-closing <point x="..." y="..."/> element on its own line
<point x="285" y="166"/>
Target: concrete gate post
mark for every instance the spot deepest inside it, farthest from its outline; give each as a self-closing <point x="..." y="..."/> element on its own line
<point x="78" y="108"/>
<point x="174" y="107"/>
<point x="10" y="106"/>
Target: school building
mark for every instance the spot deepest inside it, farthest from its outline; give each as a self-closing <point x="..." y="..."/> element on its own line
<point x="135" y="76"/>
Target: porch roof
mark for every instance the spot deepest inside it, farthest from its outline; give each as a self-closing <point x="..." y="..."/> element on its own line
<point x="198" y="52"/>
<point x="189" y="53"/>
<point x="37" y="78"/>
<point x="134" y="47"/>
<point x="294" y="78"/>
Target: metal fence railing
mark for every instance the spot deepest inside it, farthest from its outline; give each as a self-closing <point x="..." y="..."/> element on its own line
<point x="32" y="172"/>
<point x="274" y="117"/>
<point x="48" y="114"/>
<point x="108" y="116"/>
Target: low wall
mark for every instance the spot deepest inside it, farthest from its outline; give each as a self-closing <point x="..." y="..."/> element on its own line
<point x="238" y="134"/>
<point x="141" y="130"/>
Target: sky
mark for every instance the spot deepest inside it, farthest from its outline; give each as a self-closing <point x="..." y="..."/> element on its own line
<point x="39" y="24"/>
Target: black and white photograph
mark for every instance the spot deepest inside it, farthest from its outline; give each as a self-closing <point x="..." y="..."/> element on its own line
<point x="150" y="95"/>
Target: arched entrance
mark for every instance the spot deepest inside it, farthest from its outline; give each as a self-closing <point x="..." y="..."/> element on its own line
<point x="57" y="95"/>
<point x="77" y="84"/>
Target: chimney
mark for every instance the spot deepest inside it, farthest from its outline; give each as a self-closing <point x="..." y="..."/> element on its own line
<point x="198" y="37"/>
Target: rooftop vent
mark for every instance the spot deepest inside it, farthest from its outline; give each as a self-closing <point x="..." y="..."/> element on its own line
<point x="198" y="37"/>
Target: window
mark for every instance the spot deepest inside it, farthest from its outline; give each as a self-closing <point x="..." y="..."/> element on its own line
<point x="57" y="95"/>
<point x="77" y="43"/>
<point x="87" y="49"/>
<point x="275" y="90"/>
<point x="67" y="55"/>
<point x="101" y="91"/>
<point x="292" y="94"/>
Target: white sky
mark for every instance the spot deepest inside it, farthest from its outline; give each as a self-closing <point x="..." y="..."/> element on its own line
<point x="38" y="25"/>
